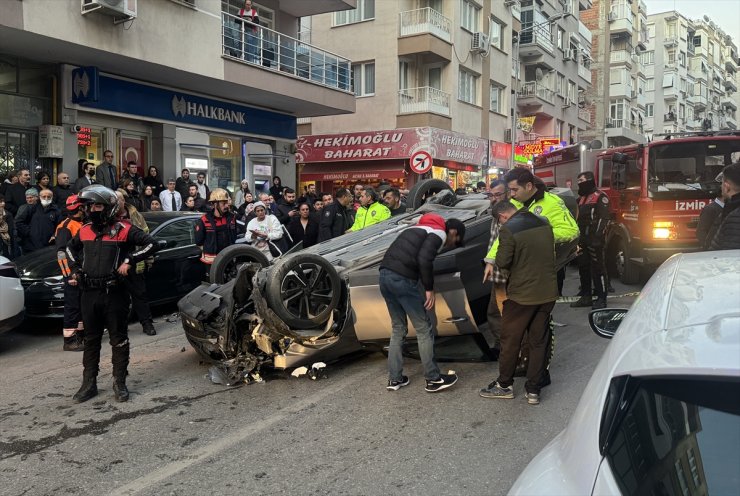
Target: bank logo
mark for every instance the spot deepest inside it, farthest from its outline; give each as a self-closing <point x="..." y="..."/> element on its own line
<point x="183" y="108"/>
<point x="81" y="85"/>
<point x="85" y="84"/>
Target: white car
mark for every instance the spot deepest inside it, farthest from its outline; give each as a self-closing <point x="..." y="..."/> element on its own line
<point x="661" y="413"/>
<point x="11" y="296"/>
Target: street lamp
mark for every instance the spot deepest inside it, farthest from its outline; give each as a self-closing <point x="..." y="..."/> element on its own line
<point x="515" y="53"/>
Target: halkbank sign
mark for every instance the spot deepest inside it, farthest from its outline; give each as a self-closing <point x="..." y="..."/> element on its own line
<point x="181" y="107"/>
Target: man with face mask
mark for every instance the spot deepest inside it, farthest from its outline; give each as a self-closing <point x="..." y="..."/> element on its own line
<point x="593" y="217"/>
<point x="38" y="222"/>
<point x="101" y="256"/>
<point x="216" y="229"/>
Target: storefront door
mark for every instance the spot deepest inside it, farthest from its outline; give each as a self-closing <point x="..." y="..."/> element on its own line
<point x="16" y="150"/>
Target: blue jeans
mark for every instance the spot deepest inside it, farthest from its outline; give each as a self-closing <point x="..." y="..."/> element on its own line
<point x="405" y="298"/>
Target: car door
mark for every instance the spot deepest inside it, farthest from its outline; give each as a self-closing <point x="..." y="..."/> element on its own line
<point x="177" y="269"/>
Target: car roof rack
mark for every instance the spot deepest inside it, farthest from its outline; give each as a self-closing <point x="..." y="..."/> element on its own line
<point x="688" y="134"/>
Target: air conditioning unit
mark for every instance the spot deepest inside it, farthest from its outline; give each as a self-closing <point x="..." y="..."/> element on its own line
<point x="510" y="3"/>
<point x="480" y="43"/>
<point x="569" y="55"/>
<point x="122" y="10"/>
<point x="612" y="16"/>
<point x="567" y="103"/>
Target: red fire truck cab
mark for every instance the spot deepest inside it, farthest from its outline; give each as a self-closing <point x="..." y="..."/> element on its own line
<point x="656" y="192"/>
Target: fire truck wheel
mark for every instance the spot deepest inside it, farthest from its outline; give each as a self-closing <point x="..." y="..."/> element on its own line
<point x="628" y="271"/>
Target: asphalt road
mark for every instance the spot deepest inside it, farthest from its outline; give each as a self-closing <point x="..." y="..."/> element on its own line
<point x="344" y="434"/>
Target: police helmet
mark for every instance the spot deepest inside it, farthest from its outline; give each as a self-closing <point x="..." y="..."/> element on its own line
<point x="99" y="194"/>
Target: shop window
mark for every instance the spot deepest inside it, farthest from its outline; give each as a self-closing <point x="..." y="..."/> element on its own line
<point x="225" y="169"/>
<point x="91" y="144"/>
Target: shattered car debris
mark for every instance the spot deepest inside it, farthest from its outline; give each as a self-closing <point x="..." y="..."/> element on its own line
<point x="324" y="302"/>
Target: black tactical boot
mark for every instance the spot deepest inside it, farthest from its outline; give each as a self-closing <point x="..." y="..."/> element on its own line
<point x="120" y="390"/>
<point x="88" y="390"/>
<point x="148" y="327"/>
<point x="582" y="302"/>
<point x="599" y="303"/>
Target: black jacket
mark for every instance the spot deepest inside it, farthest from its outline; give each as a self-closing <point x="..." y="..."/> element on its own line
<point x="37" y="225"/>
<point x="82" y="182"/>
<point x="709" y="221"/>
<point x="593" y="217"/>
<point x="156" y="183"/>
<point x="9" y="250"/>
<point x="309" y="236"/>
<point x="214" y="234"/>
<point x="413" y="252"/>
<point x="335" y="220"/>
<point x="183" y="186"/>
<point x="15" y="196"/>
<point x="284" y="209"/>
<point x="728" y="233"/>
<point x="61" y="193"/>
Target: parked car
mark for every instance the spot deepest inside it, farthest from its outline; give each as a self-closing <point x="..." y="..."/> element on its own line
<point x="11" y="296"/>
<point x="323" y="302"/>
<point x="175" y="272"/>
<point x="661" y="413"/>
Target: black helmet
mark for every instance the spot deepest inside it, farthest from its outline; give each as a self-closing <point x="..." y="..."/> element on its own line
<point x="99" y="194"/>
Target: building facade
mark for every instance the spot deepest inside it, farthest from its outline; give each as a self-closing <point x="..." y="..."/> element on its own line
<point x="171" y="84"/>
<point x="443" y="71"/>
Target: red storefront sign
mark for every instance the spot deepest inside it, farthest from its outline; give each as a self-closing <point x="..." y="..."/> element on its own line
<point x="500" y="153"/>
<point x="355" y="172"/>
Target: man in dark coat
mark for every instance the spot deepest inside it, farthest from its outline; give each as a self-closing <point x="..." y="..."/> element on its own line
<point x="728" y="233"/>
<point x="287" y="208"/>
<point x="62" y="190"/>
<point x="15" y="194"/>
<point x="183" y="183"/>
<point x="37" y="224"/>
<point x="336" y="218"/>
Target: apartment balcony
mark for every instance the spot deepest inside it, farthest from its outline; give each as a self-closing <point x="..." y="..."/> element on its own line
<point x="585" y="73"/>
<point x="585" y="33"/>
<point x="425" y="32"/>
<point x="276" y="63"/>
<point x="729" y="83"/>
<point x="622" y="57"/>
<point x="699" y="102"/>
<point x="731" y="120"/>
<point x="641" y="7"/>
<point x="620" y="90"/>
<point x="537" y="46"/>
<point x="728" y="102"/>
<point x="584" y="115"/>
<point x="302" y="8"/>
<point x="641" y="100"/>
<point x="533" y="98"/>
<point x="584" y="5"/>
<point x="670" y="93"/>
<point x="424" y="99"/>
<point x="622" y="128"/>
<point x="670" y="117"/>
<point x="621" y="20"/>
<point x="730" y="65"/>
<point x="670" y="41"/>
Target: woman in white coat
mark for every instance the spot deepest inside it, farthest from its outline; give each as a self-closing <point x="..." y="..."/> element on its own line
<point x="263" y="230"/>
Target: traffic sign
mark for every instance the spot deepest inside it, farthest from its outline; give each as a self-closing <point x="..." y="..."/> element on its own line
<point x="421" y="162"/>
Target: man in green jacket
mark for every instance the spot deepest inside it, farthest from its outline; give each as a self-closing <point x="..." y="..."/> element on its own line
<point x="371" y="211"/>
<point x="527" y="251"/>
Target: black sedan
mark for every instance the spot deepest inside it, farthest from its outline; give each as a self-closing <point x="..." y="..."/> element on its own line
<point x="177" y="269"/>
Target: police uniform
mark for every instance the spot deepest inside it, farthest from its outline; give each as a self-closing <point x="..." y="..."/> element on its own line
<point x="593" y="218"/>
<point x="95" y="254"/>
<point x="72" y="326"/>
<point x="370" y="215"/>
<point x="336" y="219"/>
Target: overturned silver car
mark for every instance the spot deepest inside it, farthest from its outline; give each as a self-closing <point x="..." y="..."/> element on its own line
<point x="324" y="302"/>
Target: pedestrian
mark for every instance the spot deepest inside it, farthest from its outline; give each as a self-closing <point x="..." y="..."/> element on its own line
<point x="407" y="286"/>
<point x="154" y="180"/>
<point x="101" y="254"/>
<point x="37" y="223"/>
<point x="62" y="190"/>
<point x="709" y="218"/>
<point x="106" y="173"/>
<point x="240" y="198"/>
<point x="155" y="205"/>
<point x="132" y="173"/>
<point x="72" y="325"/>
<point x="336" y="218"/>
<point x="526" y="249"/>
<point x="357" y="192"/>
<point x="497" y="194"/>
<point x="309" y="195"/>
<point x="136" y="280"/>
<point x="727" y="236"/>
<point x="146" y="198"/>
<point x="15" y="193"/>
<point x="286" y="206"/>
<point x="8" y="237"/>
<point x="392" y="200"/>
<point x="10" y="178"/>
<point x="216" y="229"/>
<point x="276" y="190"/>
<point x="327" y="198"/>
<point x="304" y="228"/>
<point x="182" y="184"/>
<point x="43" y="181"/>
<point x="199" y="202"/>
<point x="371" y="211"/>
<point x="131" y="194"/>
<point x="264" y="231"/>
<point x="85" y="176"/>
<point x="170" y="199"/>
<point x="593" y="218"/>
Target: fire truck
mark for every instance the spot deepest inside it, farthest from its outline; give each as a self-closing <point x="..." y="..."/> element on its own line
<point x="656" y="191"/>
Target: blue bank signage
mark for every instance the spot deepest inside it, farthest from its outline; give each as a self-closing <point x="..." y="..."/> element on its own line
<point x="128" y="97"/>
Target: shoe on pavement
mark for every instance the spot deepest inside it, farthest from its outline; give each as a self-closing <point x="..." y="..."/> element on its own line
<point x="494" y="390"/>
<point x="88" y="390"/>
<point x="599" y="304"/>
<point x="444" y="381"/>
<point x="533" y="398"/>
<point x="582" y="302"/>
<point x="120" y="390"/>
<point x="148" y="328"/>
<point x="396" y="385"/>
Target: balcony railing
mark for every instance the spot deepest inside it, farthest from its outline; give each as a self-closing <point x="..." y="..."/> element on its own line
<point x="270" y="50"/>
<point x="669" y="117"/>
<point x="621" y="56"/>
<point x="623" y="123"/>
<point x="426" y="20"/>
<point x="424" y="99"/>
<point x="539" y="37"/>
<point x="532" y="88"/>
<point x="585" y="32"/>
<point x="584" y="72"/>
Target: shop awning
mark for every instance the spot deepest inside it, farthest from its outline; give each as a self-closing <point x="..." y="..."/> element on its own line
<point x="352" y="171"/>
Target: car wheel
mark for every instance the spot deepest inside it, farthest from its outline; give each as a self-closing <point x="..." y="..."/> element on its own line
<point x="226" y="264"/>
<point x="303" y="290"/>
<point x="425" y="189"/>
<point x="628" y="271"/>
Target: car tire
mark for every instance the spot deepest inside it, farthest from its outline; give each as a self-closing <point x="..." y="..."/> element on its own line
<point x="629" y="272"/>
<point x="303" y="290"/>
<point x="225" y="265"/>
<point x="424" y="189"/>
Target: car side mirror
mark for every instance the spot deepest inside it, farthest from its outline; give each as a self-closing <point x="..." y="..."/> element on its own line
<point x="605" y="322"/>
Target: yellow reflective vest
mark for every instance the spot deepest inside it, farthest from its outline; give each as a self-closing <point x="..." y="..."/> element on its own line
<point x="367" y="216"/>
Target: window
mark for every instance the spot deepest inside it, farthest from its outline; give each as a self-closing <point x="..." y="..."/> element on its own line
<point x="365" y="11"/>
<point x="497" y="98"/>
<point x="697" y="41"/>
<point x="670" y="29"/>
<point x="470" y="16"/>
<point x="651" y="30"/>
<point x="650" y="84"/>
<point x="668" y="80"/>
<point x="363" y="78"/>
<point x="605" y="173"/>
<point x="649" y="110"/>
<point x="561" y="38"/>
<point x="497" y="34"/>
<point x="616" y="76"/>
<point x="682" y="59"/>
<point x="648" y="58"/>
<point x="681" y="111"/>
<point x="467" y="87"/>
<point x="670" y="55"/>
<point x="179" y="234"/>
<point x="572" y="92"/>
<point x="403" y="75"/>
<point x="561" y="88"/>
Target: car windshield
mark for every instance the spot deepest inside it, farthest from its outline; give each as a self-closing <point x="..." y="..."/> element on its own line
<point x="690" y="166"/>
<point x="152" y="224"/>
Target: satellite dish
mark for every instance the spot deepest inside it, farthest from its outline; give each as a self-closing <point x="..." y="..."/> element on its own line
<point x="706" y="18"/>
<point x="596" y="144"/>
<point x="538" y="74"/>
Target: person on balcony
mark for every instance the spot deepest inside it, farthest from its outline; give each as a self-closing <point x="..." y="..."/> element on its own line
<point x="250" y="23"/>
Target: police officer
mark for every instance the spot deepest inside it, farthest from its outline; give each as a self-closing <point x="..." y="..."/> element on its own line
<point x="72" y="327"/>
<point x="101" y="256"/>
<point x="336" y="218"/>
<point x="371" y="210"/>
<point x="216" y="229"/>
<point x="593" y="217"/>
